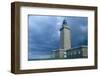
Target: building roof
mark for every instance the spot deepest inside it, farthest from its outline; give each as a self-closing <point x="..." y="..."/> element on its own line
<point x="82" y="46"/>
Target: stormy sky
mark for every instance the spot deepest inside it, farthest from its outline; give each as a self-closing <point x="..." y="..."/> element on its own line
<point x="44" y="34"/>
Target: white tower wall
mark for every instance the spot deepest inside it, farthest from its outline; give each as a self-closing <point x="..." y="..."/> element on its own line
<point x="65" y="40"/>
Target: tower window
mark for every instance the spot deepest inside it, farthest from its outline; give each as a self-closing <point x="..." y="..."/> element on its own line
<point x="79" y="52"/>
<point x="65" y="53"/>
<point x="65" y="56"/>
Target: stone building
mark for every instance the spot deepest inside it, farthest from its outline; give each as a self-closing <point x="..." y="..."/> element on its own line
<point x="65" y="50"/>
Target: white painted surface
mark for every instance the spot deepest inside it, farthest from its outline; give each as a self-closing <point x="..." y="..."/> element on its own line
<point x="5" y="50"/>
<point x="65" y="39"/>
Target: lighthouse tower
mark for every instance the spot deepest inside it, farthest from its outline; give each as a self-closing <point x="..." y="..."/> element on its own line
<point x="65" y="40"/>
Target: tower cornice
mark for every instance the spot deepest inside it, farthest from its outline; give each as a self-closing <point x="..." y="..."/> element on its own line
<point x="65" y="27"/>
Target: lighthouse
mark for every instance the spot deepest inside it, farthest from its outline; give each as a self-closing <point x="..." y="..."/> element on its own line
<point x="65" y="39"/>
